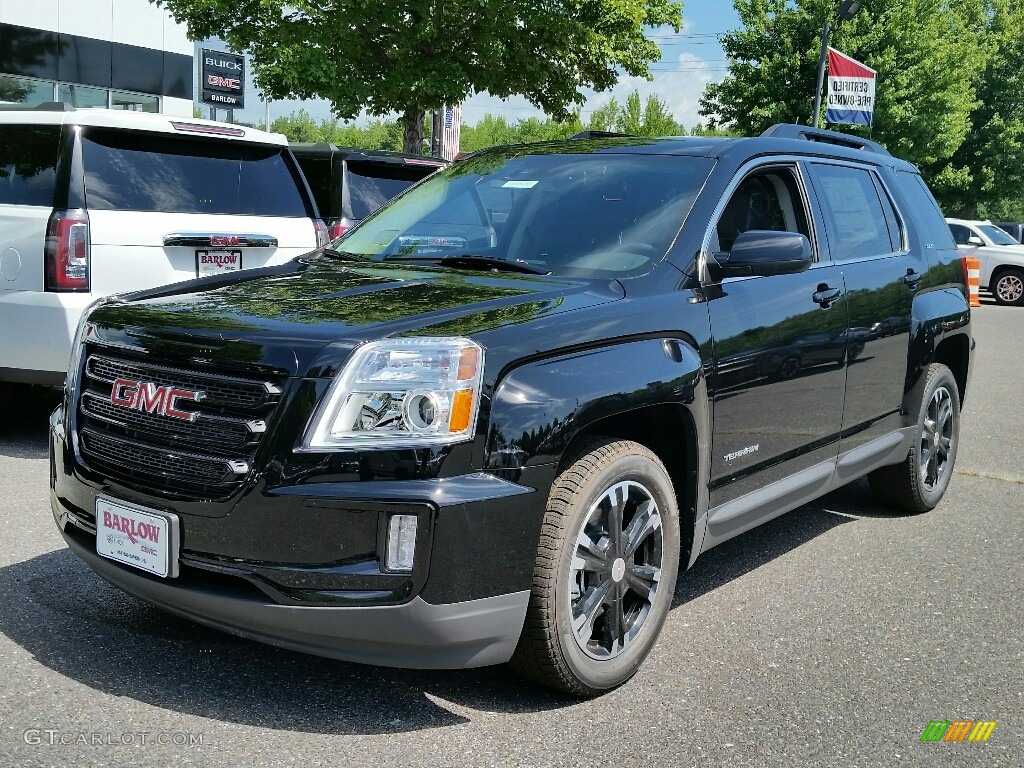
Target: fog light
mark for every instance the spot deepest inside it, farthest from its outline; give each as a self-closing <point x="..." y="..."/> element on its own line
<point x="401" y="542"/>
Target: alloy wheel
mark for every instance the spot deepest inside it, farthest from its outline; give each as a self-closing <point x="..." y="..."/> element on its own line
<point x="937" y="439"/>
<point x="615" y="571"/>
<point x="1009" y="288"/>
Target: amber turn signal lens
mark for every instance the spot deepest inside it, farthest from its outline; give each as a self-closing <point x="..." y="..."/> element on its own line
<point x="462" y="408"/>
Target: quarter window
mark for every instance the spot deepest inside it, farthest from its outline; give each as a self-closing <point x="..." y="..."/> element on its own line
<point x="28" y="163"/>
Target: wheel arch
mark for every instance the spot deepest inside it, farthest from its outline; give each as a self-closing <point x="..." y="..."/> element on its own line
<point x="941" y="333"/>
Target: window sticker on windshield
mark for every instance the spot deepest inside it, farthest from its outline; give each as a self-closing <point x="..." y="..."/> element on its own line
<point x="519" y="184"/>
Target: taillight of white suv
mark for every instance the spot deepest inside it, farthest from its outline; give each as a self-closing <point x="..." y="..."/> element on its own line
<point x="67" y="251"/>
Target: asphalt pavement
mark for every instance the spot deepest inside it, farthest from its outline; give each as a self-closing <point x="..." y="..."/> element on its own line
<point x="830" y="636"/>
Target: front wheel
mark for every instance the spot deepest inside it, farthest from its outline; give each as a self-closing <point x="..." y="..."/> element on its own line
<point x="918" y="483"/>
<point x="1008" y="287"/>
<point x="605" y="571"/>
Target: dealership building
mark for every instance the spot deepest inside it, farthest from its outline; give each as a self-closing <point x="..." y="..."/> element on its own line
<point x="114" y="54"/>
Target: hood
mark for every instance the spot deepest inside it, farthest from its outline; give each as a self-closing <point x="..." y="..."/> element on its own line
<point x="304" y="317"/>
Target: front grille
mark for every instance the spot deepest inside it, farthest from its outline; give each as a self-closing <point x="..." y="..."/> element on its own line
<point x="204" y="452"/>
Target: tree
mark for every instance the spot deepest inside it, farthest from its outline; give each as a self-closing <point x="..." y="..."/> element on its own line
<point x="653" y="119"/>
<point x="927" y="54"/>
<point x="418" y="55"/>
<point x="14" y="91"/>
<point x="985" y="176"/>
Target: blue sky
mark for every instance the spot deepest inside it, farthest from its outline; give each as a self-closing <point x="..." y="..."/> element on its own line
<point x="690" y="59"/>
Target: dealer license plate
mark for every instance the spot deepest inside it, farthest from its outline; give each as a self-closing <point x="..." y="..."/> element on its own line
<point x="141" y="538"/>
<point x="217" y="262"/>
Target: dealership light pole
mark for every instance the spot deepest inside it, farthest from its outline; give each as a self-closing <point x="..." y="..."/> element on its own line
<point x="847" y="10"/>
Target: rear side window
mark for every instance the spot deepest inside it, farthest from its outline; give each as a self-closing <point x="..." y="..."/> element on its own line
<point x="925" y="210"/>
<point x="857" y="223"/>
<point x="28" y="164"/>
<point x="153" y="172"/>
<point x="369" y="186"/>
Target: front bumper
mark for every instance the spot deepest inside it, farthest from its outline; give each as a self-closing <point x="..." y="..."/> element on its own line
<point x="415" y="634"/>
<point x="463" y="606"/>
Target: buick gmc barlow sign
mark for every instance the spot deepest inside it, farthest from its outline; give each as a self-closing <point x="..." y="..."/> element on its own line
<point x="222" y="78"/>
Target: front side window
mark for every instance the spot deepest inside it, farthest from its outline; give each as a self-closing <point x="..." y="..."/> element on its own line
<point x="767" y="199"/>
<point x="587" y="215"/>
<point x="132" y="171"/>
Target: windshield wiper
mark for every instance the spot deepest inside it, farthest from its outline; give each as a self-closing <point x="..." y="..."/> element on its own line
<point x="473" y="261"/>
<point x="331" y="252"/>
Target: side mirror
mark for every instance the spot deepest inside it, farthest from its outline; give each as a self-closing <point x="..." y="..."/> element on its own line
<point x="759" y="252"/>
<point x="975" y="240"/>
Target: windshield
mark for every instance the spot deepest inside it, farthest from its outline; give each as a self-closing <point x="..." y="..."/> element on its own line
<point x="996" y="235"/>
<point x="585" y="215"/>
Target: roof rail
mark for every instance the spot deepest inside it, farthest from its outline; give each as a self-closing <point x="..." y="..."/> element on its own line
<point x="588" y="134"/>
<point x="46" y="106"/>
<point x="791" y="131"/>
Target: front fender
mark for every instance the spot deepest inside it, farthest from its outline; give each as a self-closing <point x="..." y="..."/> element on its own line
<point x="538" y="408"/>
<point x="652" y="390"/>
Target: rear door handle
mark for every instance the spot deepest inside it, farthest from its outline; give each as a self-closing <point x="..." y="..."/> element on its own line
<point x="825" y="295"/>
<point x="912" y="279"/>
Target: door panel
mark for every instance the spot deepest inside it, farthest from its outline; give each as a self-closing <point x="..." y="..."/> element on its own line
<point x="867" y="240"/>
<point x="779" y="378"/>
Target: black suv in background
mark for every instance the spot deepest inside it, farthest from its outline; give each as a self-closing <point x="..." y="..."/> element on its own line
<point x="497" y="419"/>
<point x="349" y="184"/>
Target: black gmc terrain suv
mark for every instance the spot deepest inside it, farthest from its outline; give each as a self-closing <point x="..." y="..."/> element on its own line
<point x="495" y="420"/>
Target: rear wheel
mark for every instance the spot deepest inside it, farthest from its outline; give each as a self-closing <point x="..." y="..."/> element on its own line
<point x="605" y="571"/>
<point x="1008" y="287"/>
<point x="918" y="483"/>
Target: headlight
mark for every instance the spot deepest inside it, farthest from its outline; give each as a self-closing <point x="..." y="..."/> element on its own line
<point x="401" y="393"/>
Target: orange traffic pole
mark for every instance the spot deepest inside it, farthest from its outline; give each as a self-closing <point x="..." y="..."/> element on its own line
<point x="974" y="281"/>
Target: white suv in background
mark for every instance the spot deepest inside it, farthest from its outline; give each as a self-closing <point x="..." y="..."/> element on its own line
<point x="1001" y="258"/>
<point x="99" y="202"/>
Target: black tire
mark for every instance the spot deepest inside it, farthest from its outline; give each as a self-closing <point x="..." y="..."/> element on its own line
<point x="1008" y="287"/>
<point x="789" y="367"/>
<point x="586" y="660"/>
<point x="918" y="483"/>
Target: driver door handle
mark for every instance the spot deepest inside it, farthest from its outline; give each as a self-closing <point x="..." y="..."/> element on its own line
<point x="825" y="295"/>
<point x="912" y="279"/>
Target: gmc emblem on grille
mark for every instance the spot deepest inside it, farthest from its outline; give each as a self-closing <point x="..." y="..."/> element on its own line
<point x="147" y="396"/>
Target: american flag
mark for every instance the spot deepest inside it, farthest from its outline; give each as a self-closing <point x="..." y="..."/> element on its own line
<point x="450" y="132"/>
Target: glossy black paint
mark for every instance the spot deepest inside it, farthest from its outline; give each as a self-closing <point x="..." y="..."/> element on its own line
<point x="702" y="368"/>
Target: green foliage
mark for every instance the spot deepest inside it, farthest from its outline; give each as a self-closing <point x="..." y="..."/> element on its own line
<point x="378" y="134"/>
<point x="985" y="176"/>
<point x="927" y="54"/>
<point x="653" y="119"/>
<point x="419" y="55"/>
<point x="13" y="91"/>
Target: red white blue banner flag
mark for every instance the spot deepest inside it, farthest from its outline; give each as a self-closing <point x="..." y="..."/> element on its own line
<point x="851" y="90"/>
